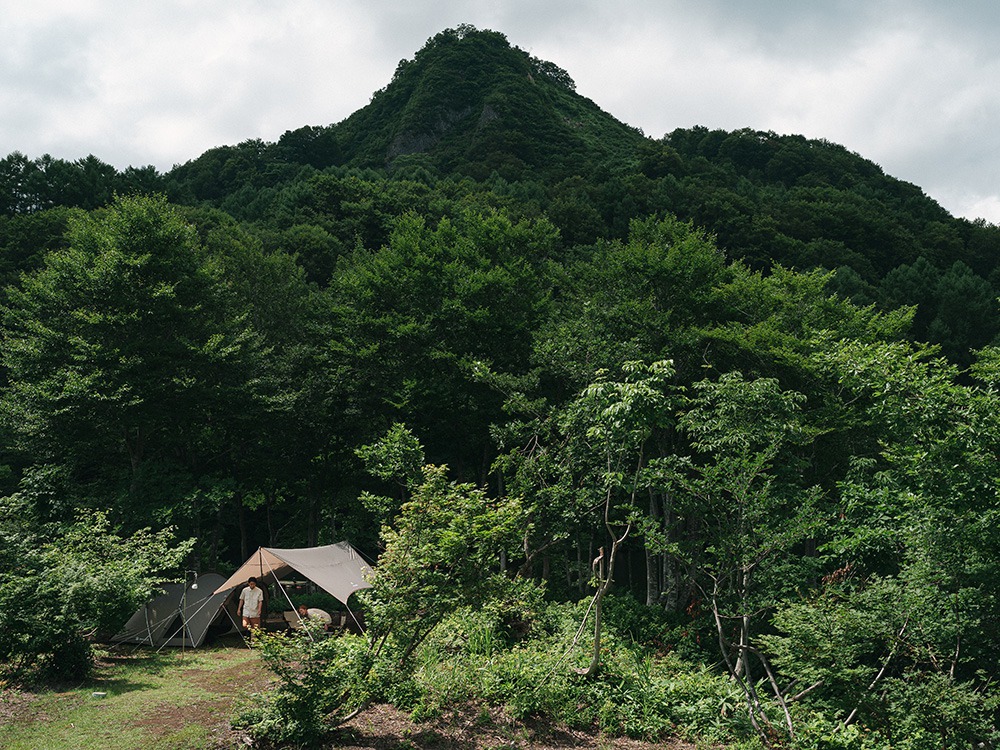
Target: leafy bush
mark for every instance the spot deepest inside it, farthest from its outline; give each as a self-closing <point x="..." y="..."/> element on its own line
<point x="320" y="680"/>
<point x="875" y="652"/>
<point x="61" y="589"/>
<point x="438" y="554"/>
<point x="930" y="711"/>
<point x="659" y="629"/>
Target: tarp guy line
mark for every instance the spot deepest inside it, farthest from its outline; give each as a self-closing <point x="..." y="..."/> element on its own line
<point x="282" y="590"/>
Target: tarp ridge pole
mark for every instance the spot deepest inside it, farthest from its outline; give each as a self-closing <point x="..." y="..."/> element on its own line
<point x="356" y="552"/>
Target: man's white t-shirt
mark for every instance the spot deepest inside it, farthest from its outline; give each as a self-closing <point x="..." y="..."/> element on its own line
<point x="252" y="598"/>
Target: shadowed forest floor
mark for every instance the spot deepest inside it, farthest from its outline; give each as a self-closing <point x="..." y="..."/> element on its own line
<point x="385" y="728"/>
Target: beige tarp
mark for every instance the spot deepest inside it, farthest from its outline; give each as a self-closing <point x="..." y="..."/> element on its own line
<point x="336" y="568"/>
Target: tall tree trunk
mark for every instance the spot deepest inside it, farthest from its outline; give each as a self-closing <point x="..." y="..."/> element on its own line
<point x="196" y="561"/>
<point x="270" y="522"/>
<point x="503" y="553"/>
<point x="134" y="444"/>
<point x="677" y="583"/>
<point x="213" y="545"/>
<point x="242" y="515"/>
<point x="312" y="524"/>
<point x="604" y="570"/>
<point x="653" y="588"/>
<point x="743" y="593"/>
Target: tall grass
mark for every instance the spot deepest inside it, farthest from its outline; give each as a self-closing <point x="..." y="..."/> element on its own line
<point x="474" y="658"/>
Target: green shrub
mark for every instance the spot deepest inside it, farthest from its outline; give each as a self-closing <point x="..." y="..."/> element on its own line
<point x="320" y="680"/>
<point x="513" y="614"/>
<point x="60" y="590"/>
<point x="930" y="711"/>
<point x="532" y="681"/>
<point x="701" y="702"/>
<point x="649" y="626"/>
<point x="638" y="692"/>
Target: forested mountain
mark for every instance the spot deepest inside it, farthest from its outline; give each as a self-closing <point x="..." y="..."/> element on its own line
<point x="761" y="363"/>
<point x="472" y="119"/>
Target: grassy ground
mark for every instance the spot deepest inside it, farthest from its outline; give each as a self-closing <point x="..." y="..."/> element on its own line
<point x="165" y="701"/>
<point x="175" y="701"/>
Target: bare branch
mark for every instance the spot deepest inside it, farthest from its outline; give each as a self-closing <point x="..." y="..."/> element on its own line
<point x="885" y="665"/>
<point x="803" y="693"/>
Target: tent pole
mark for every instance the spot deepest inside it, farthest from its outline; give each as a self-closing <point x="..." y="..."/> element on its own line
<point x="184" y="626"/>
<point x="172" y="636"/>
<point x="149" y="630"/>
<point x="149" y="626"/>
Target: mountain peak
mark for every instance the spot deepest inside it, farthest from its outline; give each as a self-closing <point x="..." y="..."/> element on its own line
<point x="470" y="101"/>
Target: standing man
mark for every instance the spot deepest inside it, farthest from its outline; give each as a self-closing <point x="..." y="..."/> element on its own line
<point x="251" y="603"/>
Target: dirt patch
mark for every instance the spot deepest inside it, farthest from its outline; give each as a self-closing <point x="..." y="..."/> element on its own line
<point x="163" y="720"/>
<point x="225" y="685"/>
<point x="16" y="706"/>
<point x="386" y="728"/>
<point x="249" y="676"/>
<point x="22" y="707"/>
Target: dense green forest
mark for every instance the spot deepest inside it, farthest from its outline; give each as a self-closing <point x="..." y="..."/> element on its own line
<point x="735" y="390"/>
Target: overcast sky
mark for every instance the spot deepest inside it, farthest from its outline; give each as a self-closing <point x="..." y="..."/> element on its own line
<point x="910" y="84"/>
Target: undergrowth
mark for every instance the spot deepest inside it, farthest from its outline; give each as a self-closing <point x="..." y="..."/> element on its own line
<point x="519" y="657"/>
<point x="639" y="692"/>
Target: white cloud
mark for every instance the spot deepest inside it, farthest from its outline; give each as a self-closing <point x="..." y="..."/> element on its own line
<point x="907" y="83"/>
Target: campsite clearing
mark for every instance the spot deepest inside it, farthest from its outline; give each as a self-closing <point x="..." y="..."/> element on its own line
<point x="184" y="701"/>
<point x="153" y="701"/>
